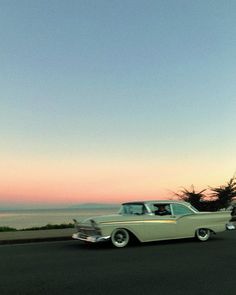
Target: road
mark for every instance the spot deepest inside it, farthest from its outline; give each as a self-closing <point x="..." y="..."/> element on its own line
<point x="70" y="267"/>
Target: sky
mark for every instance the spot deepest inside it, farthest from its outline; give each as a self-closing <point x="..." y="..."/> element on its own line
<point x="112" y="101"/>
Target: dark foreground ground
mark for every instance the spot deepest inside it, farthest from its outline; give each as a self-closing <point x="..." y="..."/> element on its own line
<point x="70" y="267"/>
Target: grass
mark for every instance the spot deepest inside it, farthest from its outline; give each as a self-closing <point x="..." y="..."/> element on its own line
<point x="48" y="226"/>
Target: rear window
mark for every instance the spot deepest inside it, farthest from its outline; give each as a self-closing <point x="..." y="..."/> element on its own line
<point x="179" y="209"/>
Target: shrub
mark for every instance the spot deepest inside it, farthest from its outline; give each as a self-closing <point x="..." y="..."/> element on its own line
<point x="7" y="228"/>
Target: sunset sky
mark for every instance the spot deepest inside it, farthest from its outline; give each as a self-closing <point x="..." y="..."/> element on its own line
<point x="111" y="101"/>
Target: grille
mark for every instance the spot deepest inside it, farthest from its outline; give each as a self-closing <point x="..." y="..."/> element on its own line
<point x="88" y="231"/>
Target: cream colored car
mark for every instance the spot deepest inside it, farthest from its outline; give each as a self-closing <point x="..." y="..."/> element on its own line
<point x="152" y="221"/>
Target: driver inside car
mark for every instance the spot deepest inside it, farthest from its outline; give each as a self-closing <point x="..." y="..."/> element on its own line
<point x="162" y="210"/>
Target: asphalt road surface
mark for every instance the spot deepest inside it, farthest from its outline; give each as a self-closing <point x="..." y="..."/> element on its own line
<point x="174" y="267"/>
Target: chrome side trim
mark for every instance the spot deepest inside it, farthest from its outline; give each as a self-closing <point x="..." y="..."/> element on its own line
<point x="139" y="221"/>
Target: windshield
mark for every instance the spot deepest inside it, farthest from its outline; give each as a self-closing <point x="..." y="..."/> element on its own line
<point x="130" y="209"/>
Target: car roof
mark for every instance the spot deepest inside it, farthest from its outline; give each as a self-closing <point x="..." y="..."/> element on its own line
<point x="149" y="202"/>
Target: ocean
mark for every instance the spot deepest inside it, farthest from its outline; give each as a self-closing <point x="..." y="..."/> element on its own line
<point x="20" y="219"/>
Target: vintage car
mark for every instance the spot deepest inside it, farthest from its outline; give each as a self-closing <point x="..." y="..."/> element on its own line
<point x="152" y="221"/>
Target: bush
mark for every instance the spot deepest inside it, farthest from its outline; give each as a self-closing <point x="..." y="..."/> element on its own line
<point x="51" y="226"/>
<point x="7" y="228"/>
<point x="48" y="226"/>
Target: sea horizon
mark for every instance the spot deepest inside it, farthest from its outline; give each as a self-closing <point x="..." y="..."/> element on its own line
<point x="54" y="206"/>
<point x="27" y="218"/>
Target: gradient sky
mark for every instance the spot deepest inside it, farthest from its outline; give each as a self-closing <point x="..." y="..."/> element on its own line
<point x="110" y="101"/>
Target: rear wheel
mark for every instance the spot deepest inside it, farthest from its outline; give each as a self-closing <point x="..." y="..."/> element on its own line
<point x="120" y="237"/>
<point x="203" y="234"/>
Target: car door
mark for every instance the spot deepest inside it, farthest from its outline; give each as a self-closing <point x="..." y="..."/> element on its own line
<point x="159" y="227"/>
<point x="185" y="220"/>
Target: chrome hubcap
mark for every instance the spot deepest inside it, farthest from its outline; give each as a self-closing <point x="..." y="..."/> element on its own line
<point x="202" y="233"/>
<point x="120" y="237"/>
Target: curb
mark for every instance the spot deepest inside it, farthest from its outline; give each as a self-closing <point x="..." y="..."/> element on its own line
<point x="20" y="237"/>
<point x="25" y="241"/>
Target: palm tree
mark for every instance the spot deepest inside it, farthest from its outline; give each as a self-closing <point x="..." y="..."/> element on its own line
<point x="192" y="197"/>
<point x="224" y="193"/>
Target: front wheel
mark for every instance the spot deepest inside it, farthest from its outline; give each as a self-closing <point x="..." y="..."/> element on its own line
<point x="203" y="234"/>
<point x="120" y="237"/>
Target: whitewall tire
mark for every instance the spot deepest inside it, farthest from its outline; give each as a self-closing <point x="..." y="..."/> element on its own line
<point x="203" y="234"/>
<point x="120" y="237"/>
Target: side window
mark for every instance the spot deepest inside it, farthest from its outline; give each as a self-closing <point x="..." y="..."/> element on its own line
<point x="161" y="209"/>
<point x="137" y="209"/>
<point x="179" y="209"/>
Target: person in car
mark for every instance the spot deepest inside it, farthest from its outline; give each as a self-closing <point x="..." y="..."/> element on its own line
<point x="162" y="210"/>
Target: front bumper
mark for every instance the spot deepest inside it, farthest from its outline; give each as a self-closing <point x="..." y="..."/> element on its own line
<point x="91" y="239"/>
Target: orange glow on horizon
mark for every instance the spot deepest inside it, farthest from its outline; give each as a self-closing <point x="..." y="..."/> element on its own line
<point x="77" y="180"/>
